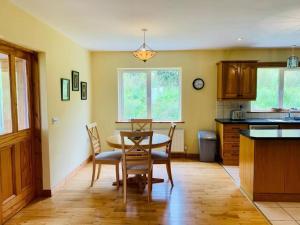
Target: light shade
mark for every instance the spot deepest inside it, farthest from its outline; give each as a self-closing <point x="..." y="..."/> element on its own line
<point x="292" y="62"/>
<point x="144" y="53"/>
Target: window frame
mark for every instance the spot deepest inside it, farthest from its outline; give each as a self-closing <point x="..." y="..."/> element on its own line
<point x="149" y="107"/>
<point x="282" y="68"/>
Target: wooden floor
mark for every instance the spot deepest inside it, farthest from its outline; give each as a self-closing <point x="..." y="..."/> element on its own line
<point x="203" y="194"/>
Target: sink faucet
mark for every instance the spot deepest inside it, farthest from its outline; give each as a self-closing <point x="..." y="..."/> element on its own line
<point x="289" y="112"/>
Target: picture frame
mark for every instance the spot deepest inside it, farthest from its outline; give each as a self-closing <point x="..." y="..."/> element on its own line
<point x="83" y="87"/>
<point x="75" y="80"/>
<point x="65" y="89"/>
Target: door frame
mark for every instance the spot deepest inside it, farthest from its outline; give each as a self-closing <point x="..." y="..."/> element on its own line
<point x="35" y="116"/>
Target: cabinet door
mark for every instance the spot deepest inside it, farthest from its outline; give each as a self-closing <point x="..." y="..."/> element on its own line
<point x="230" y="80"/>
<point x="247" y="89"/>
<point x="289" y="126"/>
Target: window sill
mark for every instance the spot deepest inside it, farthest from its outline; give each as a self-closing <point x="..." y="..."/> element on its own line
<point x="153" y="122"/>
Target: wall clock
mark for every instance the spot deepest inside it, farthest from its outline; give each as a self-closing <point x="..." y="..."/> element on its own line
<point x="198" y="83"/>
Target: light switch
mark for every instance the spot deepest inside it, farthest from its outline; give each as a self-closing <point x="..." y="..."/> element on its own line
<point x="55" y="120"/>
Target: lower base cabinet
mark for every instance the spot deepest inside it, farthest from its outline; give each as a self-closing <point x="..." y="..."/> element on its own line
<point x="229" y="142"/>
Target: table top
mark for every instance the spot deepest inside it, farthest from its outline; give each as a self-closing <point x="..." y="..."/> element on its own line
<point x="158" y="141"/>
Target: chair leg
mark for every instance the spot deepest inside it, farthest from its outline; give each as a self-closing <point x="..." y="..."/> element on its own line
<point x="99" y="170"/>
<point x="124" y="186"/>
<point x="117" y="176"/>
<point x="168" y="165"/>
<point x="149" y="185"/>
<point x="93" y="175"/>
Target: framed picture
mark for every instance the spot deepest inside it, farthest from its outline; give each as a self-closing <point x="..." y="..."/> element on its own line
<point x="83" y="90"/>
<point x="65" y="89"/>
<point x="75" y="80"/>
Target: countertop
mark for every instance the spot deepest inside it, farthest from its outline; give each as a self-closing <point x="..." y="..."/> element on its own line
<point x="272" y="134"/>
<point x="259" y="121"/>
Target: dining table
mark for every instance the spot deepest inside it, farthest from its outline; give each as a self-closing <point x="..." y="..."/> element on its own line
<point x="158" y="141"/>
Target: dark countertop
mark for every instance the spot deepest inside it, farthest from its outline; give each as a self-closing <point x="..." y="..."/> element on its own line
<point x="259" y="121"/>
<point x="272" y="134"/>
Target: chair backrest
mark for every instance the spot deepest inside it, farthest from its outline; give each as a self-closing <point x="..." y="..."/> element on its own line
<point x="137" y="154"/>
<point x="94" y="138"/>
<point x="170" y="134"/>
<point x="141" y="124"/>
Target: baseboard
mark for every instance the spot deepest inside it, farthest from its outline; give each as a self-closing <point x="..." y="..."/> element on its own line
<point x="46" y="193"/>
<point x="49" y="193"/>
<point x="184" y="155"/>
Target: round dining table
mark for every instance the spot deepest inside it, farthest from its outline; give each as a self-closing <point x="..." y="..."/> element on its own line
<point x="158" y="141"/>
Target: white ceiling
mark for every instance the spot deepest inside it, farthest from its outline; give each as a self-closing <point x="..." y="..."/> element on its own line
<point x="172" y="24"/>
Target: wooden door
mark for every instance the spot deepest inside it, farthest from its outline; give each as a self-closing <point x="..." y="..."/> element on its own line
<point x="247" y="89"/>
<point x="230" y="80"/>
<point x="16" y="131"/>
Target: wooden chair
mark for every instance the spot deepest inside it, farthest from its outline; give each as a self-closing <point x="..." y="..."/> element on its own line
<point x="137" y="159"/>
<point x="106" y="157"/>
<point x="164" y="157"/>
<point x="141" y="124"/>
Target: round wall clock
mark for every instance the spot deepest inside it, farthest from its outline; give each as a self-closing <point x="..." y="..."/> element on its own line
<point x="198" y="83"/>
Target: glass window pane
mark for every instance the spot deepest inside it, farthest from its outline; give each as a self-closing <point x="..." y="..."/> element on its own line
<point x="5" y="99"/>
<point x="267" y="89"/>
<point x="22" y="93"/>
<point x="165" y="95"/>
<point x="134" y="95"/>
<point x="291" y="94"/>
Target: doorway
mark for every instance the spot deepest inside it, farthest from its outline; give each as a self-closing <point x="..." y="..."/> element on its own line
<point x="20" y="148"/>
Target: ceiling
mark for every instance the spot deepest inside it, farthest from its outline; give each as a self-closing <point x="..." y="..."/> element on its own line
<point x="172" y="24"/>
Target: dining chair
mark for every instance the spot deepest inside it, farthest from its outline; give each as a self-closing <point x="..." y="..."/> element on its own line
<point x="164" y="157"/>
<point x="141" y="124"/>
<point x="136" y="158"/>
<point x="99" y="157"/>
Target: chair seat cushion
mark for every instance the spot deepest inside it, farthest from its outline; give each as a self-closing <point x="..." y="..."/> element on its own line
<point x="158" y="155"/>
<point x="109" y="155"/>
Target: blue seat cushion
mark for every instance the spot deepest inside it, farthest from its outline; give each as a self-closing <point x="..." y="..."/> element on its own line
<point x="159" y="155"/>
<point x="109" y="155"/>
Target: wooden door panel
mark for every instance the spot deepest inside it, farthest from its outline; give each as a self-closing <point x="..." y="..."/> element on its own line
<point x="292" y="167"/>
<point x="231" y="80"/>
<point x="7" y="173"/>
<point x="26" y="164"/>
<point x="269" y="167"/>
<point x="248" y="81"/>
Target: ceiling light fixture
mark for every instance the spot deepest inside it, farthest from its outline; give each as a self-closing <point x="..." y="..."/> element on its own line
<point x="240" y="39"/>
<point x="293" y="61"/>
<point x="144" y="52"/>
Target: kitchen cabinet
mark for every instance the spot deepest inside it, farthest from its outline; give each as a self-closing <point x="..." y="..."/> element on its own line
<point x="269" y="166"/>
<point x="229" y="142"/>
<point x="237" y="80"/>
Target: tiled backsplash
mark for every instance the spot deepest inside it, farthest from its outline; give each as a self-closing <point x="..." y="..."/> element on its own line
<point x="223" y="109"/>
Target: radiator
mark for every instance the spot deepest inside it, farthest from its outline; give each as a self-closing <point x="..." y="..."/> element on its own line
<point x="178" y="138"/>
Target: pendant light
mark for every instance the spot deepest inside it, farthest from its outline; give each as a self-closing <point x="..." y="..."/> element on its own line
<point x="293" y="60"/>
<point x="144" y="52"/>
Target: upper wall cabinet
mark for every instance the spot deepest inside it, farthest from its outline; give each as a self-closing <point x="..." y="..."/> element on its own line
<point x="237" y="80"/>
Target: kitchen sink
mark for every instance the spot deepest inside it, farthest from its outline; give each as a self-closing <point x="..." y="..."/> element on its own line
<point x="277" y="120"/>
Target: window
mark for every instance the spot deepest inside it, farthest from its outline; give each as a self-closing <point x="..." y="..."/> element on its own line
<point x="277" y="88"/>
<point x="5" y="98"/>
<point x="150" y="93"/>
